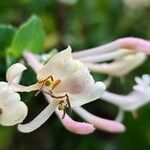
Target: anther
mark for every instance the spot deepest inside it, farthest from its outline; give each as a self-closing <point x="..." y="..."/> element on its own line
<point x="47" y="83"/>
<point x="51" y="78"/>
<point x="55" y="83"/>
<point x="61" y="107"/>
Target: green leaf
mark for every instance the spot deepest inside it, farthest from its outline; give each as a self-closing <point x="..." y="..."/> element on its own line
<point x="30" y="36"/>
<point x="6" y="35"/>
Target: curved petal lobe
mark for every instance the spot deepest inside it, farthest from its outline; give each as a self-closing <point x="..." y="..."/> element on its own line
<point x="13" y="71"/>
<point x="75" y="126"/>
<point x="39" y="120"/>
<point x="100" y="123"/>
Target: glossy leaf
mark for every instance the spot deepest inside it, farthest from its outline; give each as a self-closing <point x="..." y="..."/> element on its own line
<point x="30" y="36"/>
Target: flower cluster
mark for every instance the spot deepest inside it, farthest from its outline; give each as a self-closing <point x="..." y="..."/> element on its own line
<point x="67" y="84"/>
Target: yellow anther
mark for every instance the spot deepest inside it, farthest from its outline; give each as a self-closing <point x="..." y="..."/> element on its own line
<point x="55" y="83"/>
<point x="47" y="83"/>
<point x="61" y="107"/>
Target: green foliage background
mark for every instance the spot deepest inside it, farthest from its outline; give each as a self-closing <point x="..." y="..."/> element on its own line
<point x="85" y="24"/>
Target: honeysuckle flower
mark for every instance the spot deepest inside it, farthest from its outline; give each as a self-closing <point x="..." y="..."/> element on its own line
<point x="133" y="101"/>
<point x="12" y="110"/>
<point x="73" y="126"/>
<point x="68" y="82"/>
<point x="122" y="52"/>
<point x="69" y="124"/>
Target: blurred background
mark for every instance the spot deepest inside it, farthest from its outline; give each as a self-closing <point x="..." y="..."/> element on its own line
<point x="82" y="24"/>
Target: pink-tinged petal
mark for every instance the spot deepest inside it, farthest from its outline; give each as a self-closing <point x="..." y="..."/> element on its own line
<point x="75" y="126"/>
<point x="134" y="100"/>
<point x="39" y="120"/>
<point x="100" y="123"/>
<point x="132" y="43"/>
<point x="136" y="44"/>
<point x="129" y="102"/>
<point x="13" y="71"/>
<point x="81" y="87"/>
<point x="71" y="125"/>
<point x="106" y="56"/>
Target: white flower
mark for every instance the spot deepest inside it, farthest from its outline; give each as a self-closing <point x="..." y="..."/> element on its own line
<point x="68" y="82"/>
<point x="12" y="110"/>
<point x="133" y="101"/>
<point x="143" y="84"/>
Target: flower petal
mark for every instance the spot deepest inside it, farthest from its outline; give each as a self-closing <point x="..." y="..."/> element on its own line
<point x="60" y="66"/>
<point x="100" y="123"/>
<point x="143" y="84"/>
<point x="4" y="92"/>
<point x="13" y="114"/>
<point x="132" y="43"/>
<point x="81" y="88"/>
<point x="13" y="110"/>
<point x="119" y="67"/>
<point x="136" y="99"/>
<point x="71" y="125"/>
<point x="106" y="56"/>
<point x="13" y="71"/>
<point x="39" y="120"/>
<point x="75" y="126"/>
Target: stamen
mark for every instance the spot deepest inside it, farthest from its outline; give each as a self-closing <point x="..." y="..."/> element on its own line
<point x="52" y="95"/>
<point x="51" y="78"/>
<point x="68" y="102"/>
<point x="38" y="92"/>
<point x="61" y="105"/>
<point x="45" y="82"/>
<point x="55" y="83"/>
<point x="64" y="112"/>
